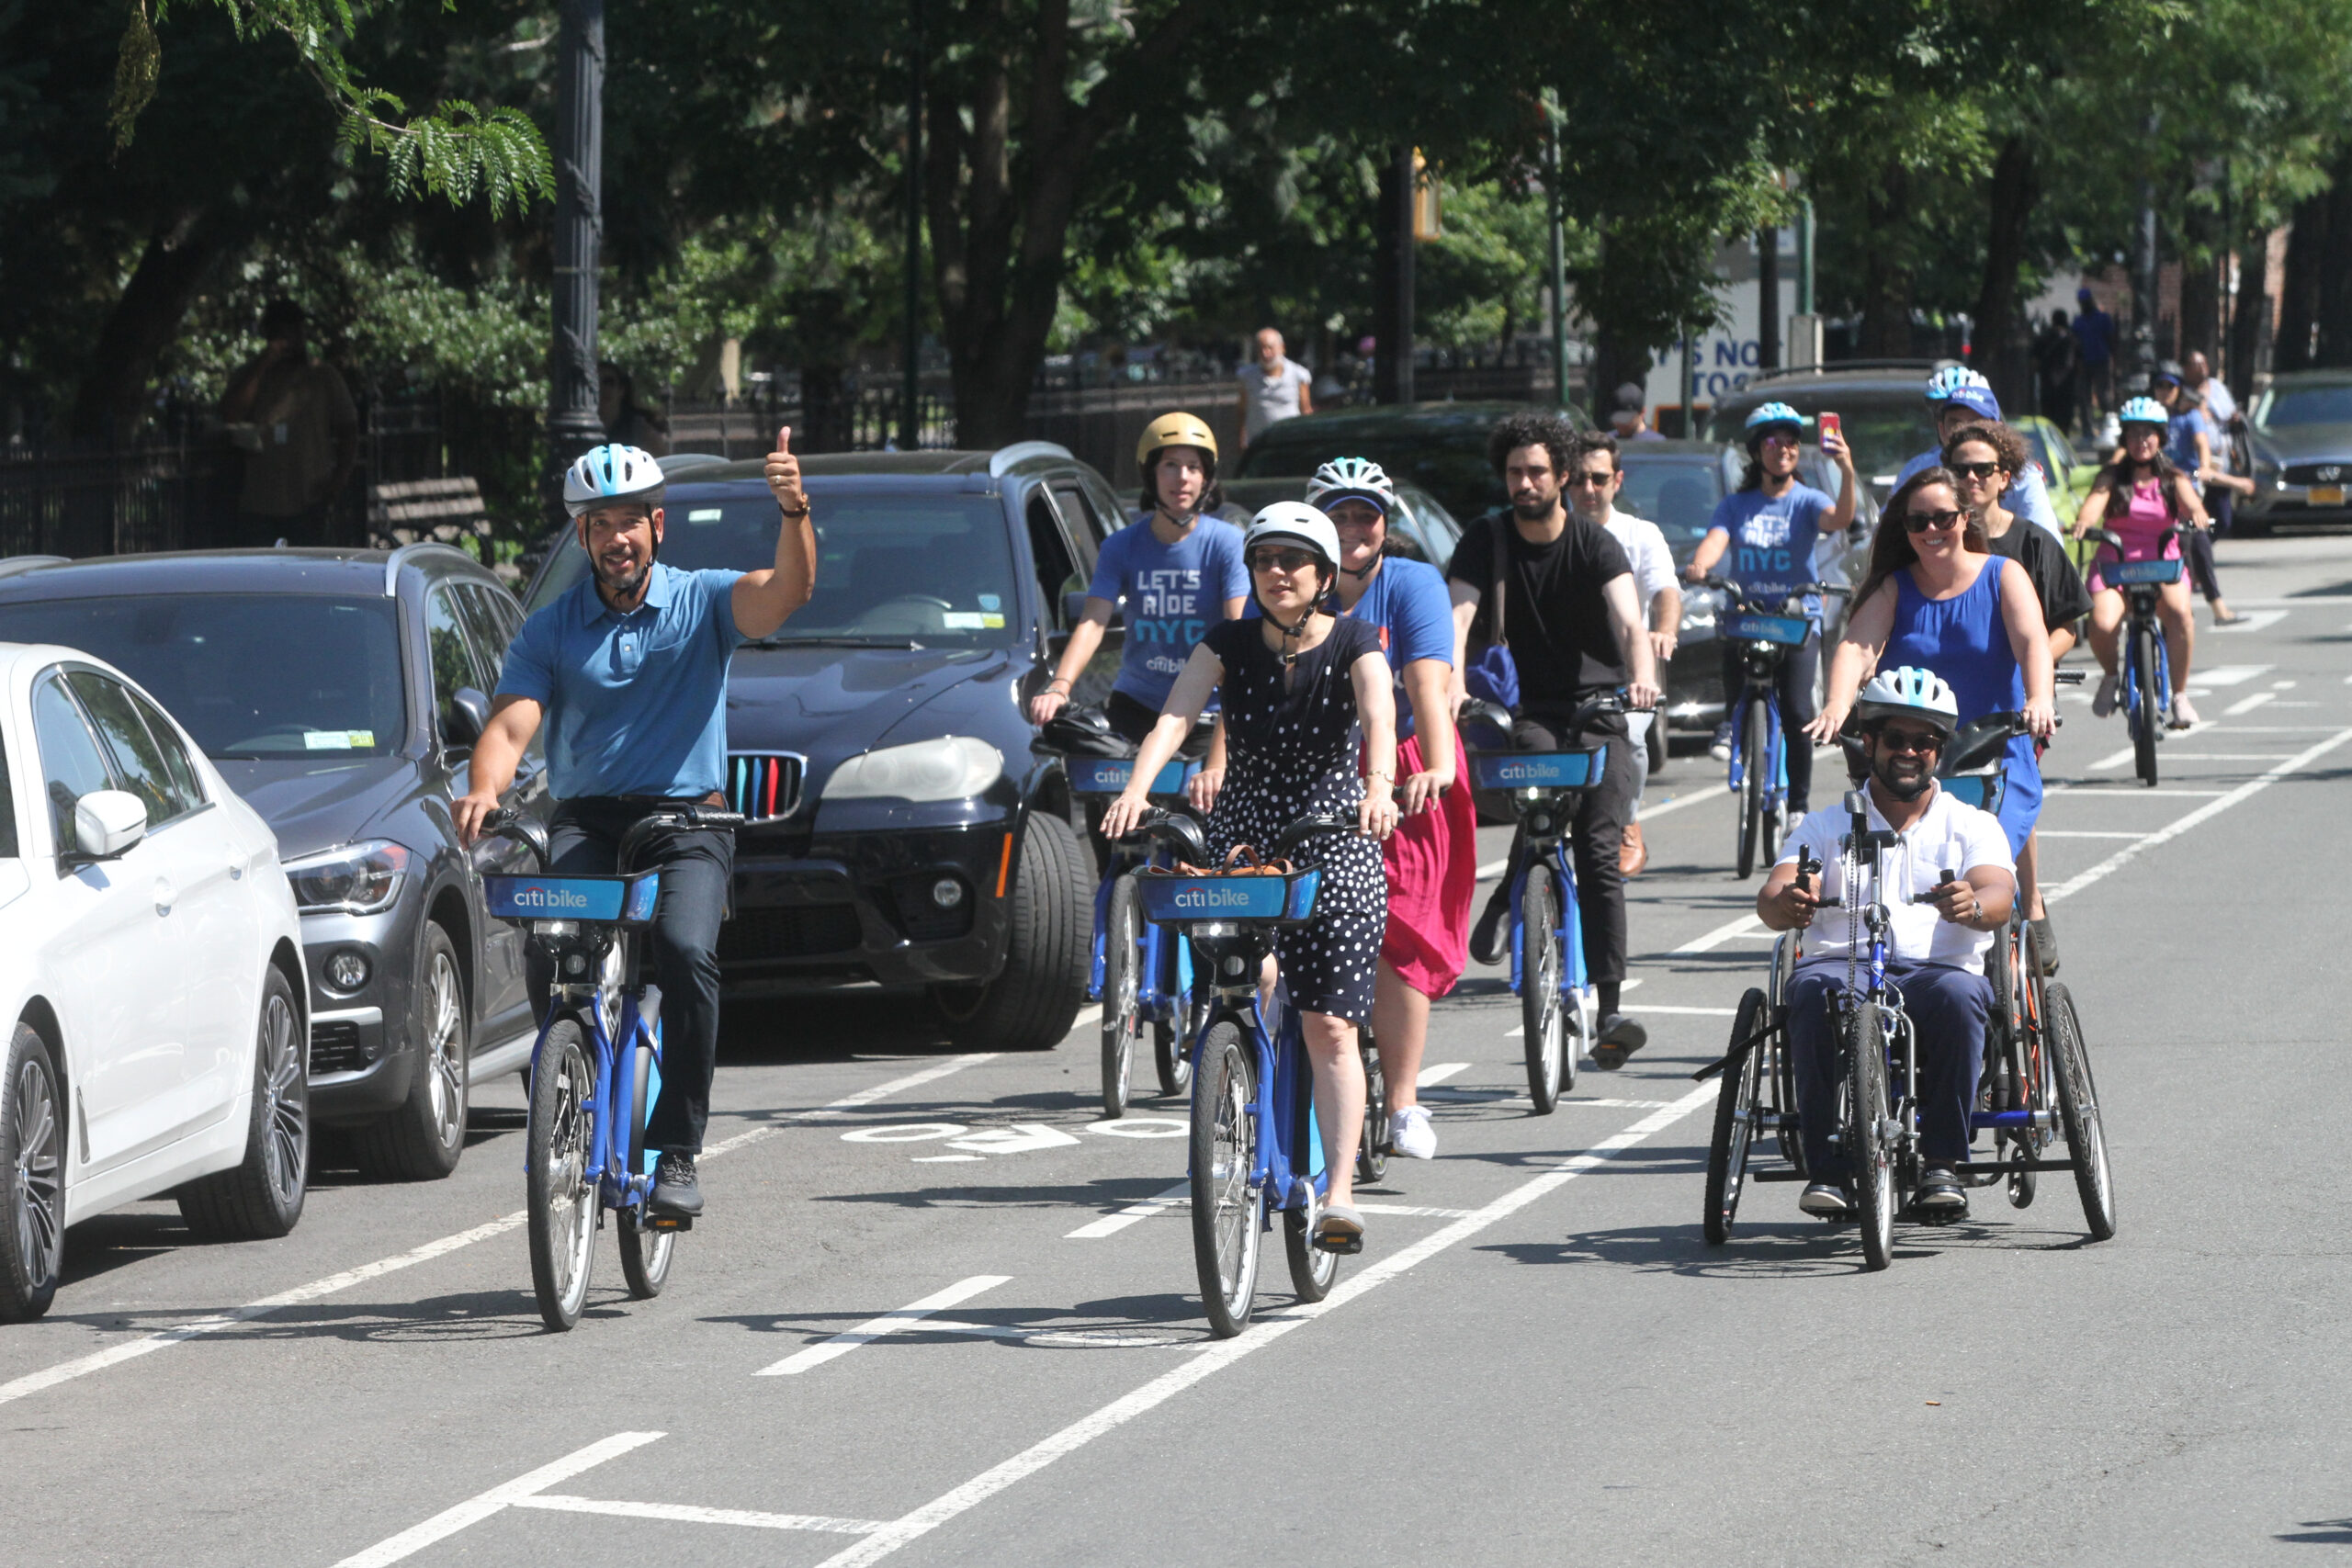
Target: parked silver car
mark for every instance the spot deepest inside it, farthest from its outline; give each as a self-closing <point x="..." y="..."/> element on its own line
<point x="2301" y="431"/>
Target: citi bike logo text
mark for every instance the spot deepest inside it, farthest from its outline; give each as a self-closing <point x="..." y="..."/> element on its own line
<point x="1214" y="898"/>
<point x="550" y="899"/>
<point x="1510" y="772"/>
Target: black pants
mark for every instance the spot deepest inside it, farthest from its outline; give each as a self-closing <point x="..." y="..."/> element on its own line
<point x="696" y="868"/>
<point x="1128" y="718"/>
<point x="1795" y="688"/>
<point x="1600" y="823"/>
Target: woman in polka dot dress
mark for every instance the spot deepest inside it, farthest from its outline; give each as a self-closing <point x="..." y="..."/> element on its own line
<point x="1301" y="689"/>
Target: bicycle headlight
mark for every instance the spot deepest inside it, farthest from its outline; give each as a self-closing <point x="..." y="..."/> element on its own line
<point x="950" y="768"/>
<point x="357" y="879"/>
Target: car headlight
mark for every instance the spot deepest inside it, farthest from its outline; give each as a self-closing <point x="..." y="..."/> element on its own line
<point x="357" y="879"/>
<point x="950" y="768"/>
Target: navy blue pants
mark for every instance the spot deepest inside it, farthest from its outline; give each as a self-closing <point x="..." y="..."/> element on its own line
<point x="696" y="867"/>
<point x="1947" y="1008"/>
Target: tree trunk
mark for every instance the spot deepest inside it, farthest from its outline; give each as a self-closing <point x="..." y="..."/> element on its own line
<point x="112" y="403"/>
<point x="1887" y="279"/>
<point x="2334" y="284"/>
<point x="2299" y="290"/>
<point x="2252" y="311"/>
<point x="2004" y="347"/>
<point x="2201" y="287"/>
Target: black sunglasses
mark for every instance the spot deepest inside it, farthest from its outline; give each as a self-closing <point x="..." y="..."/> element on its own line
<point x="1280" y="561"/>
<point x="1901" y="740"/>
<point x="1920" y="521"/>
<point x="1974" y="471"/>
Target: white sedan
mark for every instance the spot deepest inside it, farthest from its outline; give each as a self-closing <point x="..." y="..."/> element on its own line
<point x="152" y="978"/>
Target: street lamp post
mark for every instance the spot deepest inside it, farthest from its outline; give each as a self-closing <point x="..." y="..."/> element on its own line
<point x="910" y="392"/>
<point x="1558" y="259"/>
<point x="574" y="423"/>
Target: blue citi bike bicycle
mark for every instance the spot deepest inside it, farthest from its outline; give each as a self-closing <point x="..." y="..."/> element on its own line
<point x="1556" y="1000"/>
<point x="1255" y="1147"/>
<point x="596" y="1070"/>
<point x="1762" y="629"/>
<point x="2146" y="674"/>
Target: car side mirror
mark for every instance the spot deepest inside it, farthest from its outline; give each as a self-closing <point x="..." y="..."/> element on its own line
<point x="107" y="823"/>
<point x="468" y="718"/>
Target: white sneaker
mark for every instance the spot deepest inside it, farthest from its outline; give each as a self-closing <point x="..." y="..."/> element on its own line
<point x="2183" y="716"/>
<point x="1410" y="1134"/>
<point x="2103" y="701"/>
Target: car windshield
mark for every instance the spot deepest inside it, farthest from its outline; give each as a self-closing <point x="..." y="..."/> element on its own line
<point x="250" y="675"/>
<point x="1885" y="429"/>
<point x="1679" y="494"/>
<point x="934" y="569"/>
<point x="2304" y="405"/>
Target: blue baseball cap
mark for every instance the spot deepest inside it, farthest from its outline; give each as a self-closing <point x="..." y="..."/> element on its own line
<point x="1978" y="400"/>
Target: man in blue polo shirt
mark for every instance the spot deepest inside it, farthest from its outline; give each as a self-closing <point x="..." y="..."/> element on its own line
<point x="629" y="669"/>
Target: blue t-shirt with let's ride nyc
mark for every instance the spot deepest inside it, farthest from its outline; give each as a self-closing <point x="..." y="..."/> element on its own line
<point x="1173" y="595"/>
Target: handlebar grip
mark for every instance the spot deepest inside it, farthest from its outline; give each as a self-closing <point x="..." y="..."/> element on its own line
<point x="501" y="817"/>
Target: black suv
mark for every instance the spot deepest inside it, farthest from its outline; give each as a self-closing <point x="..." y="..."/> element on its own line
<point x="339" y="691"/>
<point x="904" y="835"/>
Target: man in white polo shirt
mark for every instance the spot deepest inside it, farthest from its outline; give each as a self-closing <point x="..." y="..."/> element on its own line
<point x="1939" y="930"/>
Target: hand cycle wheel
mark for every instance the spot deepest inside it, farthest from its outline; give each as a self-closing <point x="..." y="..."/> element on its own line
<point x="1539" y="985"/>
<point x="2078" y="1111"/>
<point x="2151" y="719"/>
<point x="1372" y="1148"/>
<point x="1868" y="1149"/>
<point x="2025" y="1075"/>
<point x="645" y="1254"/>
<point x="1735" y="1123"/>
<point x="1122" y="984"/>
<point x="562" y="1187"/>
<point x="1754" y="738"/>
<point x="1171" y="1043"/>
<point x="1227" y="1215"/>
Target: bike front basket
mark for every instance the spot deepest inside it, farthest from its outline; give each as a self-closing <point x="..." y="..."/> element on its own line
<point x="1538" y="770"/>
<point x="1109" y="775"/>
<point x="592" y="900"/>
<point x="1789" y="630"/>
<point x="2142" y="571"/>
<point x="1273" y="899"/>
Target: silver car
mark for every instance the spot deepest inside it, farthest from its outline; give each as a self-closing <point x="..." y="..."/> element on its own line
<point x="2301" y="431"/>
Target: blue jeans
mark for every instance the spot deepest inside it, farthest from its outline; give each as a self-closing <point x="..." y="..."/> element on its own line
<point x="1948" y="1007"/>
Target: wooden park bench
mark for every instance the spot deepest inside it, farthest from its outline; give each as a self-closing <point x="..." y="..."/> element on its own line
<point x="412" y="511"/>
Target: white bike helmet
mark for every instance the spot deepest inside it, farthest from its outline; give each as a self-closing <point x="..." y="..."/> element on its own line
<point x="1352" y="478"/>
<point x="1909" y="692"/>
<point x="613" y="472"/>
<point x="1294" y="523"/>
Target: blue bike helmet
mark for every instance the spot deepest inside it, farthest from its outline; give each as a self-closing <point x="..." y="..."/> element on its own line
<point x="1953" y="379"/>
<point x="2144" y="411"/>
<point x="614" y="472"/>
<point x="1769" y="414"/>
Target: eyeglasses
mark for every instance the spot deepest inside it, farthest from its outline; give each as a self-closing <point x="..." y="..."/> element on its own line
<point x="1974" y="471"/>
<point x="1285" y="562"/>
<point x="1590" y="482"/>
<point x="1914" y="744"/>
<point x="1920" y="521"/>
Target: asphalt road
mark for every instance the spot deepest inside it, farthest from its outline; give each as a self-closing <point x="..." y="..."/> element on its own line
<point x="1536" y="1359"/>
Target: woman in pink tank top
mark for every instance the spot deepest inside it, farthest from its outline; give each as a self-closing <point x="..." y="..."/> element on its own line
<point x="2140" y="498"/>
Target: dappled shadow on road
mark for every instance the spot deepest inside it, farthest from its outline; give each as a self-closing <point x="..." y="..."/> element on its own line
<point x="1645" y="1159"/>
<point x="103" y="1243"/>
<point x="477" y="1315"/>
<point x="1106" y="1196"/>
<point x="2319" y="1532"/>
<point x="1161" y="1320"/>
<point x="1778" y="1249"/>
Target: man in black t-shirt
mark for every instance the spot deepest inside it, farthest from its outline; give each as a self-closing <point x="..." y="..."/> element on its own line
<point x="1573" y="626"/>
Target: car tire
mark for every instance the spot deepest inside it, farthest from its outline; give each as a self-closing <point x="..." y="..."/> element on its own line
<point x="261" y="1196"/>
<point x="32" y="1177"/>
<point x="423" y="1140"/>
<point x="1049" y="910"/>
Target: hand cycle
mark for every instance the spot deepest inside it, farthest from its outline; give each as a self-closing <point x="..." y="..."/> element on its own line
<point x="2147" y="665"/>
<point x="1141" y="973"/>
<point x="1762" y="628"/>
<point x="1255" y="1146"/>
<point x="596" y="1069"/>
<point x="1547" y="964"/>
<point x="2036" y="1080"/>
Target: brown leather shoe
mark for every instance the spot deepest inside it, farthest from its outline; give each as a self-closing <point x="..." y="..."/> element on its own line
<point x="1632" y="853"/>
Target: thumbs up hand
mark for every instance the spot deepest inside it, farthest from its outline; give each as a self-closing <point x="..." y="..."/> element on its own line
<point x="783" y="476"/>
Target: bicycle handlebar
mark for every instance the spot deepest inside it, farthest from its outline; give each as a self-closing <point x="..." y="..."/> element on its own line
<point x="1178" y="831"/>
<point x="1747" y="597"/>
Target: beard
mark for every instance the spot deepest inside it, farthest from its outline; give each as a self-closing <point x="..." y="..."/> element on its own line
<point x="1905" y="776"/>
<point x="1531" y="510"/>
<point x="624" y="586"/>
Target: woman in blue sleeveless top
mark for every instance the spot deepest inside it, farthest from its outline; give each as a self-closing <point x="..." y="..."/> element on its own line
<point x="1937" y="597"/>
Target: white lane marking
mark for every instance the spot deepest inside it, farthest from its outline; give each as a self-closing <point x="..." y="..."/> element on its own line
<point x="2211" y="808"/>
<point x="686" y="1513"/>
<point x="1141" y="1127"/>
<point x="474" y="1510"/>
<point x="904" y="1133"/>
<point x="1677" y="802"/>
<point x="1111" y="1225"/>
<point x="890" y="1323"/>
<point x="1159" y="1390"/>
<point x="2123" y="791"/>
<point x="1629" y="985"/>
<point x="2125" y="755"/>
<point x="2231" y="674"/>
<point x="1705" y="1013"/>
<point x="1730" y="931"/>
<point x="1415" y="1211"/>
<point x="1437" y="1072"/>
<point x="2248" y="702"/>
<point x="98" y="1361"/>
<point x="2282" y="685"/>
<point x="947" y="1159"/>
<point x="1493" y="869"/>
<point x="1021" y="1138"/>
<point x="2054" y="833"/>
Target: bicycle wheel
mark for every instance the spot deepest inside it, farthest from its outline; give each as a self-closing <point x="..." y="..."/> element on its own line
<point x="1755" y="737"/>
<point x="2148" y="717"/>
<point x="562" y="1189"/>
<point x="1539" y="985"/>
<point x="1734" y="1124"/>
<point x="2078" y="1111"/>
<point x="1171" y="1045"/>
<point x="1868" y="1149"/>
<point x="1312" y="1269"/>
<point x="1372" y="1148"/>
<point x="645" y="1255"/>
<point x="1226" y="1211"/>
<point x="2026" y="1091"/>
<point x="1122" y="982"/>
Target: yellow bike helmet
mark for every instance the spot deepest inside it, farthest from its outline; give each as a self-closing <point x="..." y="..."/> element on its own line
<point x="1174" y="430"/>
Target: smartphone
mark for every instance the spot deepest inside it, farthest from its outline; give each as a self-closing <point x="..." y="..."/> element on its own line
<point x="1830" y="425"/>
